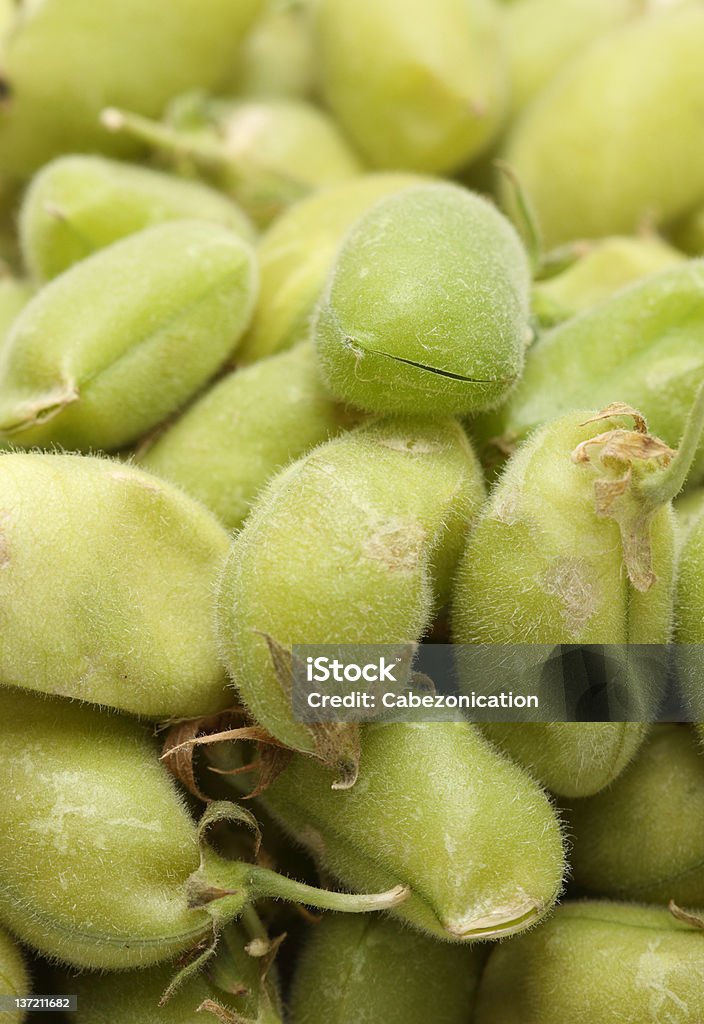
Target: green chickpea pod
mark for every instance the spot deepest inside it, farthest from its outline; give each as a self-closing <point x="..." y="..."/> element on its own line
<point x="426" y="307"/>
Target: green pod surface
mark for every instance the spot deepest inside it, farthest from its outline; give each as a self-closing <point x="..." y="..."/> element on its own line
<point x="122" y="339"/>
<point x="426" y="307"/>
<point x="644" y="346"/>
<point x="106" y="583"/>
<point x="688" y="509"/>
<point x="370" y="969"/>
<point x="295" y="256"/>
<point x="688" y="233"/>
<point x="689" y="618"/>
<point x="549" y="562"/>
<point x="641" y="838"/>
<point x="587" y="163"/>
<point x="266" y="153"/>
<point x="357" y="539"/>
<point x="542" y="36"/>
<point x="438" y="809"/>
<point x="226" y="446"/>
<point x="595" y="962"/>
<point x="64" y="60"/>
<point x="606" y="266"/>
<point x="133" y="997"/>
<point x="14" y="979"/>
<point x="14" y="296"/>
<point x="79" y="204"/>
<point x="96" y="843"/>
<point x="415" y="86"/>
<point x="277" y="57"/>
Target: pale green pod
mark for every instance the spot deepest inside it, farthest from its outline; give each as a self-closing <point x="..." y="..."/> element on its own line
<point x="438" y="809"/>
<point x="277" y="57"/>
<point x="295" y="256"/>
<point x="643" y="346"/>
<point x="594" y="962"/>
<point x="14" y="978"/>
<point x="589" y="163"/>
<point x="266" y="152"/>
<point x="249" y="425"/>
<point x="122" y="339"/>
<point x="106" y="588"/>
<point x="14" y="296"/>
<point x="132" y="997"/>
<point x="96" y="844"/>
<point x="689" y="619"/>
<point x="605" y="267"/>
<point x="643" y="837"/>
<point x="550" y="561"/>
<point x="365" y="970"/>
<point x="542" y="36"/>
<point x="688" y="509"/>
<point x="426" y="307"/>
<point x="355" y="542"/>
<point x="64" y="60"/>
<point x="416" y="86"/>
<point x="78" y="204"/>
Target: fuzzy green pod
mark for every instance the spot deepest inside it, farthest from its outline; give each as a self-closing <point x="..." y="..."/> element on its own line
<point x="438" y="809"/>
<point x="249" y="425"/>
<point x="78" y="204"/>
<point x="542" y="36"/>
<point x="688" y="509"/>
<point x="587" y="163"/>
<point x="597" y="961"/>
<point x="96" y="843"/>
<point x="370" y="969"/>
<point x="101" y="865"/>
<point x="232" y="981"/>
<point x="643" y="346"/>
<point x="415" y="86"/>
<point x="575" y="547"/>
<point x="14" y="979"/>
<point x="106" y="586"/>
<point x="689" y="618"/>
<point x="64" y="60"/>
<point x="426" y="307"/>
<point x="265" y="152"/>
<point x="122" y="339"/>
<point x="641" y="839"/>
<point x="605" y="267"/>
<point x="357" y="539"/>
<point x="295" y="256"/>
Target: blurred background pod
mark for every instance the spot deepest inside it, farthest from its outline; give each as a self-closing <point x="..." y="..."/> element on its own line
<point x="108" y="349"/>
<point x="559" y="556"/>
<point x="425" y="311"/>
<point x="641" y="838"/>
<point x="356" y="971"/>
<point x="358" y="539"/>
<point x="604" y="267"/>
<point x="595" y="167"/>
<point x="440" y="810"/>
<point x="643" y="346"/>
<point x="295" y="256"/>
<point x="15" y="293"/>
<point x="266" y="152"/>
<point x="593" y="961"/>
<point x="78" y="204"/>
<point x="417" y="87"/>
<point x="106" y="587"/>
<point x="277" y="57"/>
<point x="14" y="977"/>
<point x="226" y="446"/>
<point x="63" y="61"/>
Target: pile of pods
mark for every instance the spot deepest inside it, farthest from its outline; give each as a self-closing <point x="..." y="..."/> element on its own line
<point x="346" y="321"/>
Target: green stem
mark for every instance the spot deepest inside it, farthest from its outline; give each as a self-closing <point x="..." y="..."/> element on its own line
<point x="252" y="924"/>
<point x="661" y="487"/>
<point x="162" y="136"/>
<point x="527" y="221"/>
<point x="266" y="883"/>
